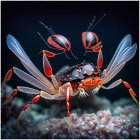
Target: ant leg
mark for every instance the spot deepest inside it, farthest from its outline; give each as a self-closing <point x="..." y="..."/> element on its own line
<point x="21" y="89"/>
<point x="118" y="82"/>
<point x="63" y="89"/>
<point x="89" y="51"/>
<point x="100" y="59"/>
<point x="97" y="49"/>
<point x="56" y="85"/>
<point x="50" y="54"/>
<point x="85" y="52"/>
<point x="36" y="98"/>
<point x="59" y="53"/>
<point x="7" y="77"/>
<point x="64" y="93"/>
<point x="66" y="55"/>
<point x="30" y="80"/>
<point x="104" y="73"/>
<point x="73" y="55"/>
<point x="132" y="93"/>
<point x="68" y="108"/>
<point x="14" y="92"/>
<point x="82" y="92"/>
<point x="27" y="78"/>
<point x="114" y="84"/>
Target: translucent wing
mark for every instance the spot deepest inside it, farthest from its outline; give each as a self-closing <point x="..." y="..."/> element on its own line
<point x="16" y="48"/>
<point x="124" y="53"/>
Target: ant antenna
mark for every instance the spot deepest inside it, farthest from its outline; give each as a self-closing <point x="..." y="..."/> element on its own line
<point x="49" y="29"/>
<point x="90" y="24"/>
<point x="45" y="41"/>
<point x="98" y="21"/>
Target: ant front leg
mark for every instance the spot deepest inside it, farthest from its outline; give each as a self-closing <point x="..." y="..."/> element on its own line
<point x="82" y="91"/>
<point x="127" y="85"/>
<point x="41" y="93"/>
<point x="65" y="91"/>
<point x="50" y="54"/>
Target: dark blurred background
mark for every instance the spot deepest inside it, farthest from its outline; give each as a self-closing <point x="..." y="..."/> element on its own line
<point x="71" y="19"/>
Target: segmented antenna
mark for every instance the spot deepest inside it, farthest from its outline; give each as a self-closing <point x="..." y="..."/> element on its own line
<point x="97" y="22"/>
<point x="49" y="29"/>
<point x="90" y="24"/>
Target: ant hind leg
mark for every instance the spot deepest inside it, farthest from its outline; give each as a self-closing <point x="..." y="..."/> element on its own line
<point x="128" y="86"/>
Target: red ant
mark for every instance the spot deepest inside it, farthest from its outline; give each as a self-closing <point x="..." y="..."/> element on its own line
<point x="57" y="42"/>
<point x="90" y="40"/>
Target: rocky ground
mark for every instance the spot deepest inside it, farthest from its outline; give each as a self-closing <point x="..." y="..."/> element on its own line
<point x="95" y="117"/>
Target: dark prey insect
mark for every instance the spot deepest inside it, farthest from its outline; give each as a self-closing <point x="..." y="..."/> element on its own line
<point x="82" y="79"/>
<point x="57" y="42"/>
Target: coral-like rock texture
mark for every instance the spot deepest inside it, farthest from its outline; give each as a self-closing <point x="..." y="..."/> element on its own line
<point x="101" y="119"/>
<point x="100" y="125"/>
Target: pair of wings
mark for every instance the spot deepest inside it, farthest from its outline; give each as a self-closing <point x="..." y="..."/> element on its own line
<point x="124" y="53"/>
